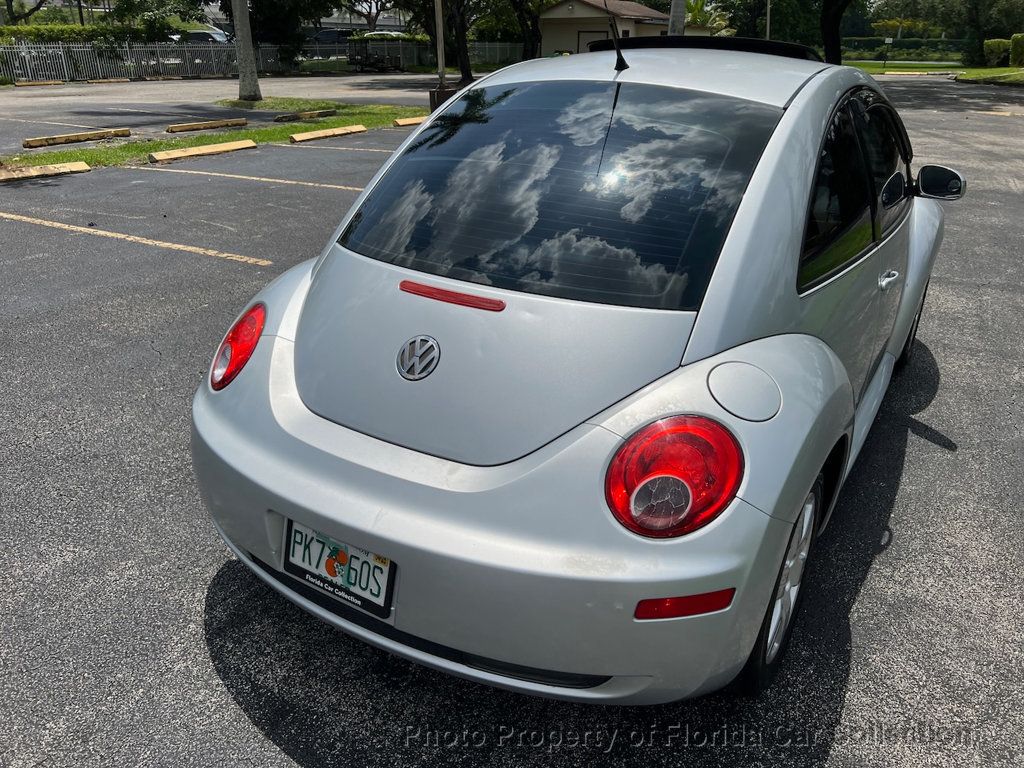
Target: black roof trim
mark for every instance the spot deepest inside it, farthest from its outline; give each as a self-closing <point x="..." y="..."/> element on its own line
<point x="745" y="44"/>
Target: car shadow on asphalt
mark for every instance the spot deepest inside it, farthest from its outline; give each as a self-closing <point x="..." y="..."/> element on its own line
<point x="324" y="698"/>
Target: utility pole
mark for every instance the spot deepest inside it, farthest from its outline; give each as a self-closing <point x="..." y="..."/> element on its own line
<point x="439" y="27"/>
<point x="768" y="23"/>
<point x="677" y="18"/>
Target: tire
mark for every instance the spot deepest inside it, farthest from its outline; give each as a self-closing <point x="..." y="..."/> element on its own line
<point x="770" y="647"/>
<point x="908" y="347"/>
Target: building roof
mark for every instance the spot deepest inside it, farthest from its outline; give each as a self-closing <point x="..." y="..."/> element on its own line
<point x="625" y="9"/>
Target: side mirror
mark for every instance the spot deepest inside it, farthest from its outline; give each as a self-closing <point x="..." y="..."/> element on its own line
<point x="940" y="183"/>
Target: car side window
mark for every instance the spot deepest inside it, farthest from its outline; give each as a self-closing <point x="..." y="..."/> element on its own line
<point x="886" y="163"/>
<point x="839" y="226"/>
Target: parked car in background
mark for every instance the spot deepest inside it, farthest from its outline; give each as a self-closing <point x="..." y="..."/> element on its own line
<point x="567" y="399"/>
<point x="332" y="36"/>
<point x="210" y="35"/>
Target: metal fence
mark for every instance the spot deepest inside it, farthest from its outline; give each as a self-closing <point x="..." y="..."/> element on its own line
<point x="91" y="61"/>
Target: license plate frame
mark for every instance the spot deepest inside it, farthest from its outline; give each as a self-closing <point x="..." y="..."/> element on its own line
<point x="339" y="591"/>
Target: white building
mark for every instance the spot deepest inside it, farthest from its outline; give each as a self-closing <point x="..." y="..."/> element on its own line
<point x="573" y="24"/>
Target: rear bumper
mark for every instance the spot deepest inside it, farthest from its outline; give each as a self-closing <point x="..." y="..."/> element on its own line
<point x="515" y="576"/>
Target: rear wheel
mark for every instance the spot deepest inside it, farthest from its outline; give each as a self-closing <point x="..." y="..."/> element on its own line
<point x="777" y="626"/>
<point x="908" y="347"/>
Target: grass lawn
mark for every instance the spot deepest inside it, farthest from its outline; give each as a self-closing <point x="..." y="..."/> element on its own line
<point x="281" y="104"/>
<point x="877" y="67"/>
<point x="999" y="75"/>
<point x="370" y="115"/>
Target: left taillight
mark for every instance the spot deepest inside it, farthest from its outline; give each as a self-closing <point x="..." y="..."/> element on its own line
<point x="238" y="346"/>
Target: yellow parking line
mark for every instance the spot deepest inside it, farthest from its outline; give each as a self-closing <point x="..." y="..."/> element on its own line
<point x="326" y="146"/>
<point x="250" y="178"/>
<point x="136" y="239"/>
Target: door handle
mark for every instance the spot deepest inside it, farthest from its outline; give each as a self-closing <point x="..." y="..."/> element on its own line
<point x="888" y="279"/>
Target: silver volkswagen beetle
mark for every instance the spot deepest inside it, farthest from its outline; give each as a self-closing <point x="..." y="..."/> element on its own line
<point x="565" y="402"/>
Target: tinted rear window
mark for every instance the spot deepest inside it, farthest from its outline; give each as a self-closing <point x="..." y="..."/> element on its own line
<point x="612" y="193"/>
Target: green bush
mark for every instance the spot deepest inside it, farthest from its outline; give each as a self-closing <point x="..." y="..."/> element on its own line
<point x="1017" y="50"/>
<point x="887" y="52"/>
<point x="904" y="44"/>
<point x="997" y="53"/>
<point x="71" y="33"/>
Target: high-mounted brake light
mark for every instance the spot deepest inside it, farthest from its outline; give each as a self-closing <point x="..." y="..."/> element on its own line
<point x="674" y="476"/>
<point x="238" y="346"/>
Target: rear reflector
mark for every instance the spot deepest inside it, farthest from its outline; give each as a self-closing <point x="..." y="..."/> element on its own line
<point x="452" y="297"/>
<point x="691" y="605"/>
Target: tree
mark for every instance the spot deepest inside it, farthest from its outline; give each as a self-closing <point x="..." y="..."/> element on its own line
<point x="527" y="15"/>
<point x="153" y="16"/>
<point x="831" y="19"/>
<point x="369" y="11"/>
<point x="459" y="18"/>
<point x="248" y="81"/>
<point x="979" y="20"/>
<point x="700" y="13"/>
<point x="14" y="16"/>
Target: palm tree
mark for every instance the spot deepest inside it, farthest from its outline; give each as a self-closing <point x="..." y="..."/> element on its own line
<point x="248" y="82"/>
<point x="699" y="13"/>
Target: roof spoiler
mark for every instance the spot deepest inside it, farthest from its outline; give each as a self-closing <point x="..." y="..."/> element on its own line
<point x="745" y="44"/>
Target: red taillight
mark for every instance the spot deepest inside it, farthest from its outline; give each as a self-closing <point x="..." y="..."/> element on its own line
<point x="238" y="346"/>
<point x="674" y="476"/>
<point x="691" y="605"/>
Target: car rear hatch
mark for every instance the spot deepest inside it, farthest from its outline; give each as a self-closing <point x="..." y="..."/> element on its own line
<point x="579" y="222"/>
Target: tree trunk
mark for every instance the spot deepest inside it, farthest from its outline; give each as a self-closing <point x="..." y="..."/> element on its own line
<point x="248" y="82"/>
<point x="457" y="16"/>
<point x="13" y="17"/>
<point x="831" y="15"/>
<point x="528" y="21"/>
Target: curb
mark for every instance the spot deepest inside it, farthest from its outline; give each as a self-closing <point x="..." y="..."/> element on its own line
<point x="102" y="80"/>
<point x="30" y="83"/>
<point x="208" y="149"/>
<point x="327" y="133"/>
<point x="72" y="138"/>
<point x="41" y="171"/>
<point x="402" y="122"/>
<point x="207" y="125"/>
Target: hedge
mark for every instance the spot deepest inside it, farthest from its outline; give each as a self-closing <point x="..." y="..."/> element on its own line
<point x="997" y="53"/>
<point x="906" y="43"/>
<point x="1017" y="50"/>
<point x="70" y="33"/>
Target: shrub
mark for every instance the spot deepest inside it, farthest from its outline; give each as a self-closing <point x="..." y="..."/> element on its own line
<point x="1017" y="50"/>
<point x="71" y="33"/>
<point x="904" y="44"/>
<point x="997" y="53"/>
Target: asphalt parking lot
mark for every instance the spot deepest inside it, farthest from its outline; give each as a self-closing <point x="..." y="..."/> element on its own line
<point x="147" y="108"/>
<point x="130" y="636"/>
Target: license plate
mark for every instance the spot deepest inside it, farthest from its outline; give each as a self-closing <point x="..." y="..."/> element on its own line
<point x="346" y="572"/>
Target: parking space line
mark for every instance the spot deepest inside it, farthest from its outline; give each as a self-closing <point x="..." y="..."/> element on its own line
<point x="136" y="239"/>
<point x="47" y="122"/>
<point x="324" y="146"/>
<point x="249" y="178"/>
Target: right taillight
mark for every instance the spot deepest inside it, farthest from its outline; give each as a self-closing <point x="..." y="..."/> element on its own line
<point x="238" y="346"/>
<point x="674" y="476"/>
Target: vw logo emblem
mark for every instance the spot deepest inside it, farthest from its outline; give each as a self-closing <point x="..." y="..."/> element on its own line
<point x="418" y="357"/>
